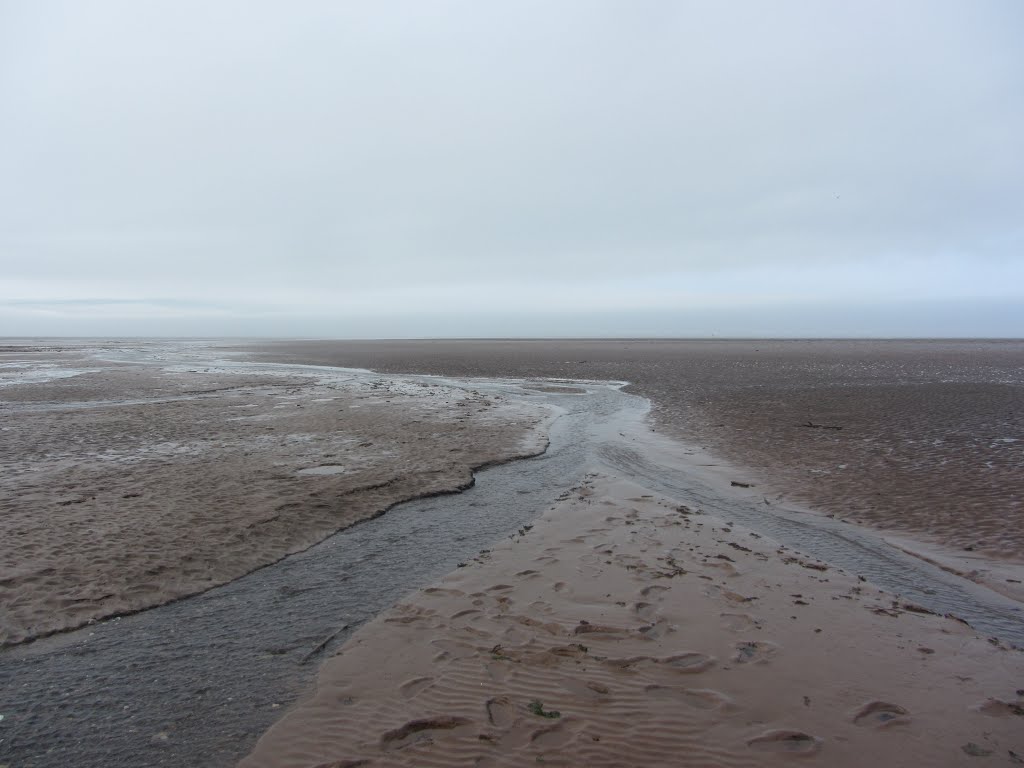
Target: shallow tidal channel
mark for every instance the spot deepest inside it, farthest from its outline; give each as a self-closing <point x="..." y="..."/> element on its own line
<point x="195" y="682"/>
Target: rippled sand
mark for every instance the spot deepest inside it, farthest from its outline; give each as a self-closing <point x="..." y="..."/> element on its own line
<point x="625" y="630"/>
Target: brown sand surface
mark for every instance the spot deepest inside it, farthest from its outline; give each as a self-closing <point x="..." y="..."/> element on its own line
<point x="626" y="630"/>
<point x="925" y="437"/>
<point x="132" y="485"/>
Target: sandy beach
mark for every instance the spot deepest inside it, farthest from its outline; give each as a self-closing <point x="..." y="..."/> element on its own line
<point x="627" y="628"/>
<point x="659" y="605"/>
<point x="624" y="629"/>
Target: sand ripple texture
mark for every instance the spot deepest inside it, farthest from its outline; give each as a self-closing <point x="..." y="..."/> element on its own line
<point x="925" y="437"/>
<point x="624" y="630"/>
<point x="124" y="486"/>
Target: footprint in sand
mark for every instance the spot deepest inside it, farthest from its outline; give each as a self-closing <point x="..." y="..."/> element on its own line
<point x="574" y="651"/>
<point x="1000" y="708"/>
<point x="499" y="671"/>
<point x="410" y="688"/>
<point x="788" y="742"/>
<point x="754" y="652"/>
<point x="658" y="629"/>
<point x="630" y="562"/>
<point x="415" y="730"/>
<point x="698" y="698"/>
<point x="585" y="689"/>
<point x="644" y="610"/>
<point x="498" y="602"/>
<point x="727" y="568"/>
<point x="594" y="630"/>
<point x="554" y="736"/>
<point x="649" y="536"/>
<point x="879" y="714"/>
<point x="515" y="636"/>
<point x="737" y="622"/>
<point x="540" y="606"/>
<point x="653" y="591"/>
<point x="736" y="597"/>
<point x="551" y="627"/>
<point x="501" y="712"/>
<point x="452" y="650"/>
<point x="689" y="663"/>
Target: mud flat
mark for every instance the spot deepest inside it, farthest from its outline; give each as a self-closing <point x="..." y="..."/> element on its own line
<point x="124" y="485"/>
<point x="910" y="437"/>
<point x="193" y="682"/>
<point x="627" y="629"/>
<point x="630" y="626"/>
<point x="715" y="666"/>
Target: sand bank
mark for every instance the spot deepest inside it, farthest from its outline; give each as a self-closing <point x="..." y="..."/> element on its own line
<point x="623" y="629"/>
<point x="126" y="486"/>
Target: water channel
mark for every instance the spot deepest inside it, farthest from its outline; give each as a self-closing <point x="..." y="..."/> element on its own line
<point x="195" y="682"/>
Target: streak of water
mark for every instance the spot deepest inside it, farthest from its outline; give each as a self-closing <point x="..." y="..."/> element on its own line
<point x="854" y="549"/>
<point x="193" y="683"/>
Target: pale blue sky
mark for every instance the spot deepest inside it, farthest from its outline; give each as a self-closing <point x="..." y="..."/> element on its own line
<point x="512" y="168"/>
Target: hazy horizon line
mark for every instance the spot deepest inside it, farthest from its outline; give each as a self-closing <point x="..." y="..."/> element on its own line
<point x="513" y="338"/>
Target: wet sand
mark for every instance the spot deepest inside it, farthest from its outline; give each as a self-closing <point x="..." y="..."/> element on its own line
<point x="624" y="629"/>
<point x="919" y="437"/>
<point x="628" y="628"/>
<point x="130" y="485"/>
<point x="660" y="634"/>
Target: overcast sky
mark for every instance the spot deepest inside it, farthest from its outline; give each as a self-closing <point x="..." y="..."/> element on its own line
<point x="512" y="168"/>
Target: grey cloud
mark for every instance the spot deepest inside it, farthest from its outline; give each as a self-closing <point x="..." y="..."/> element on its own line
<point x="265" y="157"/>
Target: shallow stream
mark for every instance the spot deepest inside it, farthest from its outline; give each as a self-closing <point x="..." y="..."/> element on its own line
<point x="194" y="683"/>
